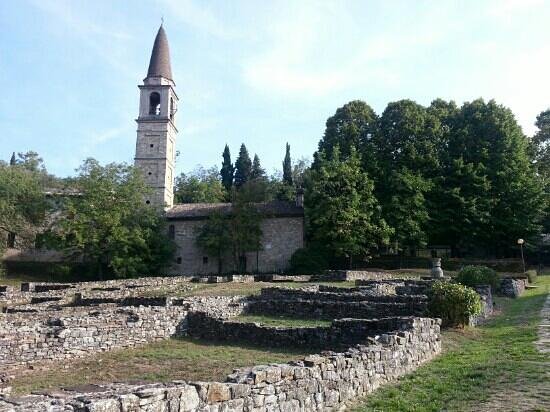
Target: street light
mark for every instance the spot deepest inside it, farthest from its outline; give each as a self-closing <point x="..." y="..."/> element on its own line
<point x="520" y="243"/>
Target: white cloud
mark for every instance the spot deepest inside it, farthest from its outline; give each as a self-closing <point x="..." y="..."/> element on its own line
<point x="315" y="49"/>
<point x="107" y="43"/>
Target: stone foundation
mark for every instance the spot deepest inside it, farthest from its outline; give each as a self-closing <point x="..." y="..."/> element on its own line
<point x="513" y="287"/>
<point x="324" y="382"/>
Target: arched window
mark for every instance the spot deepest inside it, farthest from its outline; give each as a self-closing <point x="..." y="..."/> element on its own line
<point x="171" y="232"/>
<point x="154" y="104"/>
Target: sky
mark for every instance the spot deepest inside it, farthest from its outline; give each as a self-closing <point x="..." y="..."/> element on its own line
<point x="259" y="72"/>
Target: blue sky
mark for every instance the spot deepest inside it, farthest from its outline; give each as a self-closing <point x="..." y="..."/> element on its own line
<point x="259" y="72"/>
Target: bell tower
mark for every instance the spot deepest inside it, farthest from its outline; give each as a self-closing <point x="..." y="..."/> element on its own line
<point x="156" y="131"/>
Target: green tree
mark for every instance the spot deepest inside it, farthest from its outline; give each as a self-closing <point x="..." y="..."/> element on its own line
<point x="110" y="226"/>
<point x="243" y="167"/>
<point x="23" y="205"/>
<point x="342" y="212"/>
<point x="236" y="233"/>
<point x="406" y="148"/>
<point x="287" y="167"/>
<point x="245" y="231"/>
<point x="541" y="143"/>
<point x="460" y="210"/>
<point x="257" y="172"/>
<point x="200" y="186"/>
<point x="299" y="171"/>
<point x="214" y="237"/>
<point x="488" y="138"/>
<point x="351" y="126"/>
<point x="227" y="170"/>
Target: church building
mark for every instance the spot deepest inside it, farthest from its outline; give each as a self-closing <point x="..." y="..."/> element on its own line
<point x="282" y="224"/>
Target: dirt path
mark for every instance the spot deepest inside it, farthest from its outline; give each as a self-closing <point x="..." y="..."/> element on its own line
<point x="543" y="343"/>
<point x="527" y="394"/>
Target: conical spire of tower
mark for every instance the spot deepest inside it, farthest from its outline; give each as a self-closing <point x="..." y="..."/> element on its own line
<point x="159" y="65"/>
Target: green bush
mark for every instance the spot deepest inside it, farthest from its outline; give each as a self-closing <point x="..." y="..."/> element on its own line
<point x="531" y="275"/>
<point x="478" y="275"/>
<point x="453" y="303"/>
<point x="308" y="261"/>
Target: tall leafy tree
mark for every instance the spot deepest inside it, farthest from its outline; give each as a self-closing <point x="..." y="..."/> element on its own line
<point x="23" y="205"/>
<point x="541" y="143"/>
<point x="287" y="167"/>
<point x="406" y="149"/>
<point x="227" y="169"/>
<point x="488" y="140"/>
<point x="199" y="186"/>
<point x="110" y="227"/>
<point x="342" y="212"/>
<point x="243" y="167"/>
<point x="351" y="126"/>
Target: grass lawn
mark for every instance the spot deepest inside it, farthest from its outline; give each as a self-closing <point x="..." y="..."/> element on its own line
<point x="173" y="359"/>
<point x="491" y="368"/>
<point x="282" y="321"/>
<point x="241" y="289"/>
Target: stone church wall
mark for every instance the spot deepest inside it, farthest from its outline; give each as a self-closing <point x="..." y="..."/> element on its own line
<point x="282" y="236"/>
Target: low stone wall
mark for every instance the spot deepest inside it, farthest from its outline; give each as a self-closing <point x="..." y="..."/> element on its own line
<point x="398" y="286"/>
<point x="282" y="278"/>
<point x="484" y="292"/>
<point x="336" y="294"/>
<point x="341" y="334"/>
<point x="81" y="333"/>
<point x="110" y="289"/>
<point x="513" y="287"/>
<point x="352" y="275"/>
<point x="61" y="333"/>
<point x="323" y="382"/>
<point x="318" y="309"/>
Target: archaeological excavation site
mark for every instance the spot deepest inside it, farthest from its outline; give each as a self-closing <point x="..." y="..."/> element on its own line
<point x="350" y="338"/>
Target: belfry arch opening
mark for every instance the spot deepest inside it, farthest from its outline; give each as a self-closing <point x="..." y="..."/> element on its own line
<point x="154" y="104"/>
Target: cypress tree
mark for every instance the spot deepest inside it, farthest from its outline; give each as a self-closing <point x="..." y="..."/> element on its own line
<point x="257" y="171"/>
<point x="243" y="167"/>
<point x="287" y="167"/>
<point x="12" y="160"/>
<point x="227" y="169"/>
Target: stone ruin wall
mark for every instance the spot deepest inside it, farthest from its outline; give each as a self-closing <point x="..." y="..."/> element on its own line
<point x="75" y="320"/>
<point x="341" y="334"/>
<point x="513" y="287"/>
<point x="320" y="382"/>
<point x="326" y="303"/>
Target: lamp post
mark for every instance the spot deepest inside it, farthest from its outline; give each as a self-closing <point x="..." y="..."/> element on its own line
<point x="520" y="243"/>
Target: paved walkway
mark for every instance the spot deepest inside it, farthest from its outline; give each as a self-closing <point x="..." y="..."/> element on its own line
<point x="543" y="342"/>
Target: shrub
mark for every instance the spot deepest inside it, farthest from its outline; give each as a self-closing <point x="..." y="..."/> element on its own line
<point x="531" y="275"/>
<point x="310" y="260"/>
<point x="478" y="275"/>
<point x="453" y="303"/>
